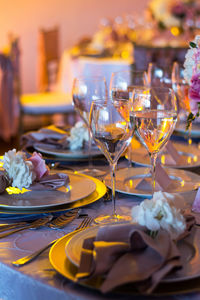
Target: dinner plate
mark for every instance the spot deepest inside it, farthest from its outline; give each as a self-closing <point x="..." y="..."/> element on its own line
<point x="190" y="254"/>
<point x="137" y="181"/>
<point x="190" y="157"/>
<point x="96" y="195"/>
<point x="67" y="153"/>
<point x="79" y="187"/>
<point x="63" y="265"/>
<point x="194" y="132"/>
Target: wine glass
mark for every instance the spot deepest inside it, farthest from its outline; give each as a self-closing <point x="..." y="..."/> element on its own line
<point x="84" y="91"/>
<point x="181" y="88"/>
<point x="155" y="115"/>
<point x="112" y="130"/>
<point x="159" y="76"/>
<point x="121" y="86"/>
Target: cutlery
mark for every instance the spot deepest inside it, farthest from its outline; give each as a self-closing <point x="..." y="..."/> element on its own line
<point x="33" y="225"/>
<point x="64" y="219"/>
<point x="24" y="260"/>
<point x="54" y="223"/>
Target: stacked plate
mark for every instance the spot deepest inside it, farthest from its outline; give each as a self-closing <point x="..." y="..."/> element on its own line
<point x="82" y="190"/>
<point x="65" y="258"/>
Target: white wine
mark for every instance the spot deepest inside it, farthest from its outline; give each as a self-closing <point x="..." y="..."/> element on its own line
<point x="154" y="127"/>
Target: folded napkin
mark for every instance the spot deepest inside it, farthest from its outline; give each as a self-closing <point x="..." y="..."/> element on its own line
<point x="51" y="182"/>
<point x="48" y="135"/>
<point x="126" y="253"/>
<point x="4" y="182"/>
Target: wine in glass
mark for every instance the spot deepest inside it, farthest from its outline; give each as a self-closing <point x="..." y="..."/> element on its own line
<point x="155" y="114"/>
<point x="111" y="124"/>
<point x="121" y="87"/>
<point x="84" y="91"/>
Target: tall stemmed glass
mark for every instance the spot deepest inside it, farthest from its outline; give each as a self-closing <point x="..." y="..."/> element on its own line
<point x="121" y="86"/>
<point x="123" y="82"/>
<point x="155" y="114"/>
<point x="112" y="130"/>
<point x="84" y="91"/>
<point x="181" y="88"/>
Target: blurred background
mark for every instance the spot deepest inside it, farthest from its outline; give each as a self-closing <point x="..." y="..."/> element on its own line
<point x="75" y="18"/>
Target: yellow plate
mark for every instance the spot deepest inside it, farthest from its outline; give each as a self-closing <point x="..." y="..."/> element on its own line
<point x="62" y="265"/>
<point x="96" y="195"/>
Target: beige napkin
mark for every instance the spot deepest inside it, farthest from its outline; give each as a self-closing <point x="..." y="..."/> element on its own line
<point x="177" y="158"/>
<point x="47" y="135"/>
<point x="51" y="182"/>
<point x="125" y="254"/>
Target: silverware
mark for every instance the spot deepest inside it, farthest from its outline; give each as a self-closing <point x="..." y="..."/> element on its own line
<point x="33" y="225"/>
<point x="57" y="222"/>
<point x="64" y="219"/>
<point x="24" y="260"/>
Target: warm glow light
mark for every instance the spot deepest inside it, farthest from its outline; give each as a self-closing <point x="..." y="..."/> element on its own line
<point x="195" y="158"/>
<point x="162" y="159"/>
<point x="125" y="54"/>
<point x="182" y="183"/>
<point x="189" y="160"/>
<point x="13" y="190"/>
<point x="1" y="161"/>
<point x="175" y="31"/>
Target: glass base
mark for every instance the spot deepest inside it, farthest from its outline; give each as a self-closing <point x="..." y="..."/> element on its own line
<point x="92" y="172"/>
<point x="103" y="220"/>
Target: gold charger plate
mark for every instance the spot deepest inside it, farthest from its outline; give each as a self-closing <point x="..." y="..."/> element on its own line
<point x="62" y="265"/>
<point x="96" y="195"/>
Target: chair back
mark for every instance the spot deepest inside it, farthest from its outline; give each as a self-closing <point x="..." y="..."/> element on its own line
<point x="48" y="58"/>
<point x="9" y="106"/>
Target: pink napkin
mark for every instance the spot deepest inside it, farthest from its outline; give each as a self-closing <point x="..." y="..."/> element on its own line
<point x="125" y="254"/>
<point x="44" y="135"/>
<point x="173" y="153"/>
<point x="51" y="182"/>
<point x="163" y="181"/>
<point x="196" y="203"/>
<point x="4" y="182"/>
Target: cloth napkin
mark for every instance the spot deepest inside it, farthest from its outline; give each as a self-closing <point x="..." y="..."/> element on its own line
<point x="47" y="135"/>
<point x="51" y="182"/>
<point x="125" y="254"/>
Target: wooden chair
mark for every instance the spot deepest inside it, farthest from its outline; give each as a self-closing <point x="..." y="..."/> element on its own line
<point x="44" y="103"/>
<point x="48" y="58"/>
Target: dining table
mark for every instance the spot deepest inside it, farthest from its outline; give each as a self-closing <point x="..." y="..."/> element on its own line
<point x="40" y="280"/>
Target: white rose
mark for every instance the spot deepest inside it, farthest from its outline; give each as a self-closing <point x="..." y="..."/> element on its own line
<point x="78" y="134"/>
<point x="20" y="171"/>
<point x="161" y="212"/>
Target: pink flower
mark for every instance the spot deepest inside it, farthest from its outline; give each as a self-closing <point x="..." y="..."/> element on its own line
<point x="39" y="166"/>
<point x="179" y="10"/>
<point x="194" y="93"/>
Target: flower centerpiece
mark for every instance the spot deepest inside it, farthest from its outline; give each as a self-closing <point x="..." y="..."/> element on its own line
<point x="192" y="77"/>
<point x="176" y="15"/>
<point x="20" y="173"/>
<point x="161" y="212"/>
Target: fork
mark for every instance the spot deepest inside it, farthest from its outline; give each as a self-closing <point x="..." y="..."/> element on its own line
<point x="24" y="260"/>
<point x="35" y="224"/>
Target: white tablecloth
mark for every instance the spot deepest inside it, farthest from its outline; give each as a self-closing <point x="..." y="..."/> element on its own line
<point x="70" y="68"/>
<point x="38" y="280"/>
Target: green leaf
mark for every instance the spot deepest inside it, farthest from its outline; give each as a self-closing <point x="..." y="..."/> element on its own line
<point x="193" y="45"/>
<point x="190" y="118"/>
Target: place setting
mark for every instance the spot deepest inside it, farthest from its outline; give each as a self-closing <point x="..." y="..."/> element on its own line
<point x="44" y="191"/>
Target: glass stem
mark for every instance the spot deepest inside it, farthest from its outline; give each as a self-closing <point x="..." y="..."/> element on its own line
<point x="153" y="171"/>
<point x="113" y="181"/>
<point x="89" y="149"/>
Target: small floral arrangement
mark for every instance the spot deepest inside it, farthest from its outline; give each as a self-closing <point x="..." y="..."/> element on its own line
<point x="192" y="77"/>
<point x="21" y="172"/>
<point x="175" y="13"/>
<point x="78" y="136"/>
<point x="160" y="212"/>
